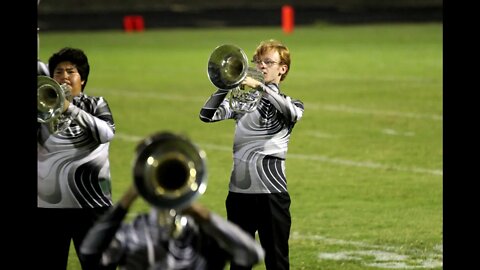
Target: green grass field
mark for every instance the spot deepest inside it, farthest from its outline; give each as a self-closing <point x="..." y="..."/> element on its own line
<point x="364" y="165"/>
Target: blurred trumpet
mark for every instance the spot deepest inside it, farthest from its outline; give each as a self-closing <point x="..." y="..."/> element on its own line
<point x="50" y="102"/>
<point x="170" y="173"/>
<point x="227" y="68"/>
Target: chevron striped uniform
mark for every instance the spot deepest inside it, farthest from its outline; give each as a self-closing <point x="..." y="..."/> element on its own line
<point x="73" y="165"/>
<point x="261" y="138"/>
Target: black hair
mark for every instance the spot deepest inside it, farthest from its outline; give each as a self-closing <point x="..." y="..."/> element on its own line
<point x="76" y="57"/>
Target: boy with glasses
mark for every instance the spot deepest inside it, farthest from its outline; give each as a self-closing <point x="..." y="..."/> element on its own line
<point x="258" y="199"/>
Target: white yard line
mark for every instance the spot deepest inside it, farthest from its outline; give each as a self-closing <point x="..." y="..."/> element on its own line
<point x="348" y="109"/>
<point x="319" y="158"/>
<point x="381" y="256"/>
<point x="308" y="105"/>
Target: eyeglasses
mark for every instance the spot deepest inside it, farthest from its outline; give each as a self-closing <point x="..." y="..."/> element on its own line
<point x="267" y="62"/>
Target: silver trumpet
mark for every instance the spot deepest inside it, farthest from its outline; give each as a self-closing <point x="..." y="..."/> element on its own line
<point x="169" y="172"/>
<point x="227" y="68"/>
<point x="50" y="101"/>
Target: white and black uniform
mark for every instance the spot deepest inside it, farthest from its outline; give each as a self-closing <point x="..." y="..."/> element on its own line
<point x="261" y="139"/>
<point x="144" y="244"/>
<point x="73" y="165"/>
<point x="258" y="176"/>
<point x="73" y="183"/>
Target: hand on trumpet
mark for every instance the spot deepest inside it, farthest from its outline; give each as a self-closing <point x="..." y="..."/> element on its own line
<point x="251" y="82"/>
<point x="67" y="89"/>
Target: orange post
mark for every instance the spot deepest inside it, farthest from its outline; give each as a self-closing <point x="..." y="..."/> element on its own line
<point x="288" y="19"/>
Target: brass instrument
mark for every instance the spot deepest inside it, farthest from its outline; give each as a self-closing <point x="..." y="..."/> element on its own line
<point x="227" y="68"/>
<point x="50" y="101"/>
<point x="169" y="171"/>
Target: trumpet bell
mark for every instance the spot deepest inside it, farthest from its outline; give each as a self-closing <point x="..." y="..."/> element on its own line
<point x="227" y="66"/>
<point x="169" y="171"/>
<point x="50" y="99"/>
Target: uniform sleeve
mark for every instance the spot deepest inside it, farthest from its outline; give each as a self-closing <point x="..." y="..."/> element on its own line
<point x="241" y="247"/>
<point x="216" y="108"/>
<point x="99" y="122"/>
<point x="100" y="236"/>
<point x="42" y="68"/>
<point x="102" y="246"/>
<point x="292" y="110"/>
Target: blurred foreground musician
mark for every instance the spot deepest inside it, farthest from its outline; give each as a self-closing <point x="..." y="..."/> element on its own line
<point x="186" y="237"/>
